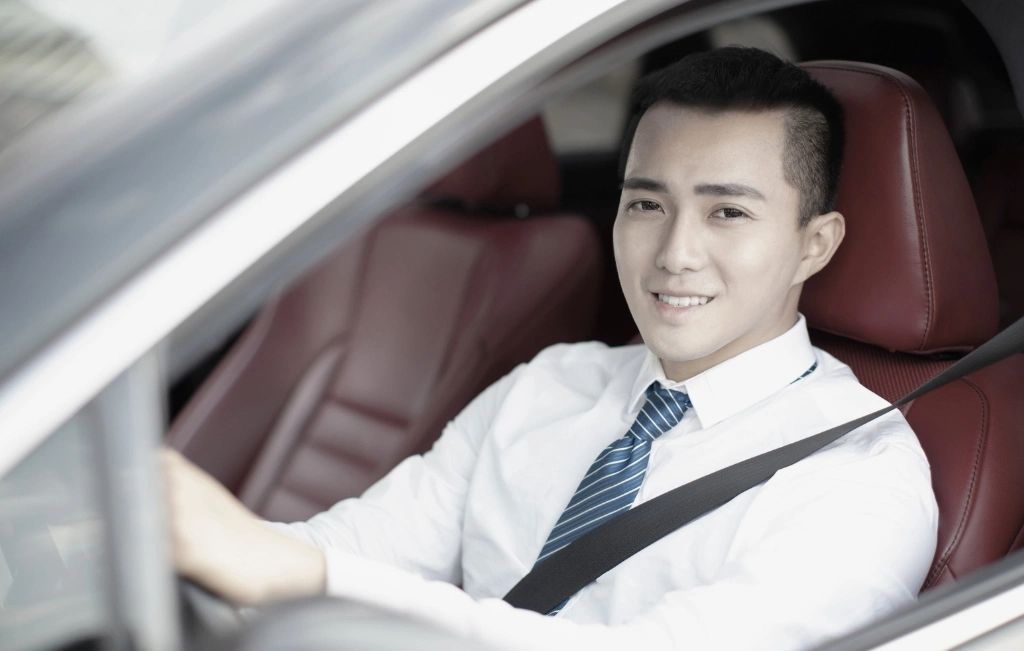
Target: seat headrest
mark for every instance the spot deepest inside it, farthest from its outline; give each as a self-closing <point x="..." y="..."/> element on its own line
<point x="519" y="168"/>
<point x="914" y="272"/>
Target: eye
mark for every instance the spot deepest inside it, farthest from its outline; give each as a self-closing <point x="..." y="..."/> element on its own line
<point x="729" y="213"/>
<point x="645" y="205"/>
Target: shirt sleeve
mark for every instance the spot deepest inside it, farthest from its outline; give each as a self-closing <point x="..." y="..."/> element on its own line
<point x="831" y="546"/>
<point x="412" y="518"/>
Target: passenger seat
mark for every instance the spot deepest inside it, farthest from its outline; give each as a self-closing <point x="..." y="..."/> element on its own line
<point x="363" y="361"/>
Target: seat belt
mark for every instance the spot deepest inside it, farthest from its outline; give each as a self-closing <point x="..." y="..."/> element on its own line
<point x="581" y="562"/>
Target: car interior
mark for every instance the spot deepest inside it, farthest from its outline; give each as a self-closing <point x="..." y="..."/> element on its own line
<point x="510" y="252"/>
<point x="361" y="362"/>
<point x="361" y="356"/>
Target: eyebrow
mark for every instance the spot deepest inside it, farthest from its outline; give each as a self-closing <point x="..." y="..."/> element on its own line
<point x="644" y="183"/>
<point x="713" y="189"/>
<point x="728" y="190"/>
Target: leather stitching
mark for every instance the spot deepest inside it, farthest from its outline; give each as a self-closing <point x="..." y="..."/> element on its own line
<point x="298" y="494"/>
<point x="916" y="185"/>
<point x="346" y="456"/>
<point x="953" y="545"/>
<point x="366" y="411"/>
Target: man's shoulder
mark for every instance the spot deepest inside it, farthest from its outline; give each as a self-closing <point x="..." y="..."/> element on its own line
<point x="587" y="355"/>
<point x="881" y="457"/>
<point x="588" y="367"/>
<point x="838" y="386"/>
<point x="840" y="397"/>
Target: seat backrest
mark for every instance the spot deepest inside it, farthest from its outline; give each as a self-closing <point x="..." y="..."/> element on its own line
<point x="912" y="283"/>
<point x="364" y="360"/>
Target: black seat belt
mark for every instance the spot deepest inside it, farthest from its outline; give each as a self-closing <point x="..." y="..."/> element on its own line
<point x="585" y="559"/>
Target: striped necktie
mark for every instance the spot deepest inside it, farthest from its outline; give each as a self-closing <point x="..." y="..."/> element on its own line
<point x="613" y="480"/>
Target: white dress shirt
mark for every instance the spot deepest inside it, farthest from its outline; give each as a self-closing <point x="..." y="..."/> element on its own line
<point x="825" y="546"/>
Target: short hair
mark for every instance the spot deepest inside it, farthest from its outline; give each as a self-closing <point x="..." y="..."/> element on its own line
<point x="742" y="78"/>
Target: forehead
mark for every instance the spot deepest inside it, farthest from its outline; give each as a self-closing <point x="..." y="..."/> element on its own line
<point x="683" y="146"/>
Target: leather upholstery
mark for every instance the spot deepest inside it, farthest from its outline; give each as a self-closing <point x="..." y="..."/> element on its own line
<point x="914" y="275"/>
<point x="928" y="286"/>
<point x="971" y="432"/>
<point x="362" y="362"/>
<point x="508" y="173"/>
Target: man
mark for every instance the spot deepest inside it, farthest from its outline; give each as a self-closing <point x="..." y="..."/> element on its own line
<point x="726" y="209"/>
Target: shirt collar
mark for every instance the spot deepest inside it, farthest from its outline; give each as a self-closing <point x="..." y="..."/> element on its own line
<point x="737" y="383"/>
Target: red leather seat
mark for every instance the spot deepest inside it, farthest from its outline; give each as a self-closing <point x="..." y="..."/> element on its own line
<point x="363" y="361"/>
<point x="999" y="191"/>
<point x="913" y="280"/>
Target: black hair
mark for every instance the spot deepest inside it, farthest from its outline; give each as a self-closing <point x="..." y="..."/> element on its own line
<point x="741" y="78"/>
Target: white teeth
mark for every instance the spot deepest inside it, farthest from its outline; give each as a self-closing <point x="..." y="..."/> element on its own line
<point x="683" y="301"/>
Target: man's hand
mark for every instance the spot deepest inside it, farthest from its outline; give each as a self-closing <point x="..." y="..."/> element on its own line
<point x="224" y="547"/>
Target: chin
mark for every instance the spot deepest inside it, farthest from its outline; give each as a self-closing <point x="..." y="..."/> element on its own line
<point x="668" y="348"/>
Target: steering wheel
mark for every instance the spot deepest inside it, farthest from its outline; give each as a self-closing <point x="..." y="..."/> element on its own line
<point x="205" y="615"/>
<point x="305" y="624"/>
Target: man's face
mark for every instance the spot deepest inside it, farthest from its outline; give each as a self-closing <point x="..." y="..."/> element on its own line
<point x="707" y="241"/>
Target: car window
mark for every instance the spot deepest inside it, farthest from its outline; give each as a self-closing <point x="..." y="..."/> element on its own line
<point x="52" y="545"/>
<point x="590" y="119"/>
<point x="53" y="53"/>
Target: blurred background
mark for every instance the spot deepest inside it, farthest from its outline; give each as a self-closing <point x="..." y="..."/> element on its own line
<point x="53" y="52"/>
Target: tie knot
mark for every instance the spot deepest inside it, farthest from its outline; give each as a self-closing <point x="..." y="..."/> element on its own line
<point x="662" y="411"/>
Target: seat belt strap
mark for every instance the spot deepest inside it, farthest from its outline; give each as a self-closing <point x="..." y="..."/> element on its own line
<point x="580" y="563"/>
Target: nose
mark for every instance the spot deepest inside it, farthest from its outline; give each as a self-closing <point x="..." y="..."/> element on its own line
<point x="682" y="248"/>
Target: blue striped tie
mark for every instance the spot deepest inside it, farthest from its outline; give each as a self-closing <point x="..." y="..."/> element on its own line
<point x="614" y="479"/>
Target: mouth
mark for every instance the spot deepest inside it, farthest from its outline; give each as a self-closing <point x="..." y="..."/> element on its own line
<point x="683" y="301"/>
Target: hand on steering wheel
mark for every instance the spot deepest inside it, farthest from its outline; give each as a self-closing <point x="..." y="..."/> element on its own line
<point x="222" y="546"/>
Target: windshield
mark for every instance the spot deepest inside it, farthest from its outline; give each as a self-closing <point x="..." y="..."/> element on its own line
<point x="117" y="181"/>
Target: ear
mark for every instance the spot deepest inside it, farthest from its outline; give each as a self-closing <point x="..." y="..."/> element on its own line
<point x="821" y="237"/>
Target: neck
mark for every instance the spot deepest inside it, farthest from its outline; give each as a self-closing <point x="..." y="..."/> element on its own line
<point x="678" y="371"/>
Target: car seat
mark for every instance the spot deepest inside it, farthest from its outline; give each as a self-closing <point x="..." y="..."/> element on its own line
<point x="911" y="287"/>
<point x="361" y="362"/>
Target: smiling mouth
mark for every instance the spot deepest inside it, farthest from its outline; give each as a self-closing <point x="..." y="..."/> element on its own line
<point x="684" y="301"/>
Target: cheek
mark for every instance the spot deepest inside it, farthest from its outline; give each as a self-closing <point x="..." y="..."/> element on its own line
<point x="628" y="248"/>
<point x="760" y="265"/>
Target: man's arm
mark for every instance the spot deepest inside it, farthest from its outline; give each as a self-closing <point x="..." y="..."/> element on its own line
<point x="412" y="519"/>
<point x="831" y="547"/>
<point x="223" y="546"/>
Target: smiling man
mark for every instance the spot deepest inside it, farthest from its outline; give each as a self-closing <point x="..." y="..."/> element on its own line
<point x="727" y="208"/>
